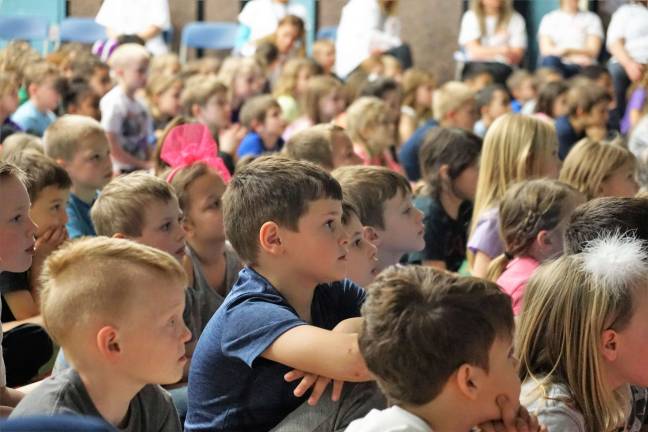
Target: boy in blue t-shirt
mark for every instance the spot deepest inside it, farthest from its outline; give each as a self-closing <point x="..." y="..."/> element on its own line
<point x="41" y="83"/>
<point x="285" y="319"/>
<point x="261" y="115"/>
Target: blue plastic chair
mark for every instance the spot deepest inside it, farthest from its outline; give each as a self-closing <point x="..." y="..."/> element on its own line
<point x="83" y="30"/>
<point x="208" y="35"/>
<point x="329" y="33"/>
<point x="29" y="28"/>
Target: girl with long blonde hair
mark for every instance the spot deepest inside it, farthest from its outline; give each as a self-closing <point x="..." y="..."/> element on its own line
<point x="582" y="341"/>
<point x="516" y="148"/>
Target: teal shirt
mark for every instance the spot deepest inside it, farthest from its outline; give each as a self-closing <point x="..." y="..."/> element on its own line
<point x="79" y="222"/>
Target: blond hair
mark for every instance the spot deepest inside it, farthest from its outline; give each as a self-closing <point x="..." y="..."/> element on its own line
<point x="287" y="81"/>
<point x="363" y="114"/>
<point x="72" y="298"/>
<point x="566" y="308"/>
<point x="128" y="54"/>
<point x="63" y="138"/>
<point x="450" y="97"/>
<point x="38" y="72"/>
<point x="19" y="142"/>
<point x="122" y="204"/>
<point x="8" y="83"/>
<point x="515" y="148"/>
<point x="412" y="80"/>
<point x="157" y="84"/>
<point x="199" y="89"/>
<point x="320" y="45"/>
<point x="314" y="144"/>
<point x="504" y="14"/>
<point x="161" y="63"/>
<point x="589" y="163"/>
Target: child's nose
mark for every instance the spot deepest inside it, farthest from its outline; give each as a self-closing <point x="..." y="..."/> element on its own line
<point x="186" y="333"/>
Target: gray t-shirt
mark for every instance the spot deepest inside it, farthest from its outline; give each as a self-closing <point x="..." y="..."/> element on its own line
<point x="151" y="409"/>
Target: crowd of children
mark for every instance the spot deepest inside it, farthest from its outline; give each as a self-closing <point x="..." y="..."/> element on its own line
<point x="253" y="243"/>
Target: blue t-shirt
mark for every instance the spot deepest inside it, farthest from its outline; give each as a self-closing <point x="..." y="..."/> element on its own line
<point x="252" y="144"/>
<point x="233" y="388"/>
<point x="31" y="120"/>
<point x="409" y="152"/>
<point x="79" y="223"/>
<point x="567" y="136"/>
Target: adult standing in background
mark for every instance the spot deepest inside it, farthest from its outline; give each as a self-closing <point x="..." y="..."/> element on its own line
<point x="368" y="27"/>
<point x="627" y="41"/>
<point x="144" y="18"/>
<point x="569" y="38"/>
<point x="493" y="36"/>
<point x="260" y="19"/>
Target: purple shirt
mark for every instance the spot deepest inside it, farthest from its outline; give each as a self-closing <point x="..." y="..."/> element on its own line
<point x="486" y="237"/>
<point x="636" y="102"/>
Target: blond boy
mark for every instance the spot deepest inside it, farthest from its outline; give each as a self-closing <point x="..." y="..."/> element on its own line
<point x="119" y="343"/>
<point x="41" y="82"/>
<point x="127" y="122"/>
<point x="453" y="105"/>
<point x="326" y="145"/>
<point x="79" y="145"/>
<point x="383" y="199"/>
<point x="324" y="55"/>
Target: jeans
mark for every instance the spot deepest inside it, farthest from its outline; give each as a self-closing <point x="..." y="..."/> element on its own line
<point x="554" y="62"/>
<point x="621" y="82"/>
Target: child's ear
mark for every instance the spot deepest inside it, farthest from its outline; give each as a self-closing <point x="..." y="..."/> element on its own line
<point x="108" y="342"/>
<point x="444" y="172"/>
<point x="196" y="110"/>
<point x="270" y="238"/>
<point x="62" y="163"/>
<point x="119" y="235"/>
<point x="609" y="349"/>
<point x="32" y="88"/>
<point x="467" y="381"/>
<point x="372" y="234"/>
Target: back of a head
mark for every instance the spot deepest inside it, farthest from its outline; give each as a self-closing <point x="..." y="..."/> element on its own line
<point x="590" y="162"/>
<point x="583" y="95"/>
<point x="62" y="139"/>
<point x="568" y="304"/>
<point x="407" y="307"/>
<point x="363" y="113"/>
<point x="128" y="53"/>
<point x="454" y="147"/>
<point x="71" y="297"/>
<point x="606" y="216"/>
<point x="449" y="97"/>
<point x="516" y="148"/>
<point x="121" y="206"/>
<point x="485" y="96"/>
<point x="41" y="172"/>
<point x="19" y="142"/>
<point x="548" y="95"/>
<point x="379" y="87"/>
<point x="368" y="188"/>
<point x="312" y="145"/>
<point x="271" y="188"/>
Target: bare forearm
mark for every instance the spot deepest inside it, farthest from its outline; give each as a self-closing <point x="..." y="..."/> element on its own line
<point x="10" y="397"/>
<point x="122" y="156"/>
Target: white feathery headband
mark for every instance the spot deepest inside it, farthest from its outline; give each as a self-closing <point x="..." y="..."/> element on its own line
<point x="615" y="259"/>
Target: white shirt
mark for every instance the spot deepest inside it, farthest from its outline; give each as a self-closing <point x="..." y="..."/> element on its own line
<point x="263" y="16"/>
<point x="513" y="35"/>
<point x="363" y="28"/>
<point x="134" y="16"/>
<point x="630" y="22"/>
<point x="393" y="419"/>
<point x="570" y="30"/>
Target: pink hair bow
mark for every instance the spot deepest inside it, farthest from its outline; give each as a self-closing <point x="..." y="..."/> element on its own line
<point x="189" y="144"/>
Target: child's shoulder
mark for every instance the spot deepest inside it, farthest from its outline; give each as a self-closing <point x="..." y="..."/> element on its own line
<point x="553" y="405"/>
<point x="391" y="419"/>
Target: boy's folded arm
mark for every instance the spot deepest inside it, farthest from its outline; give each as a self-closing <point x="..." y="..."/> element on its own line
<point x="333" y="354"/>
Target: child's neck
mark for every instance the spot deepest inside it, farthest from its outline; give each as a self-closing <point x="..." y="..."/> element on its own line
<point x="211" y="256"/>
<point x="110" y="395"/>
<point x="450" y="203"/>
<point x="269" y="140"/>
<point x="39" y="106"/>
<point x="129" y="92"/>
<point x="576" y="124"/>
<point x="387" y="258"/>
<point x="298" y="291"/>
<point x="87" y="195"/>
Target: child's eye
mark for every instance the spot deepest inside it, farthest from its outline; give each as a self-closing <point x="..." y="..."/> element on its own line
<point x="215" y="204"/>
<point x="356" y="243"/>
<point x="173" y="322"/>
<point x="16" y="219"/>
<point x="407" y="210"/>
<point x="166" y="226"/>
<point x="56" y="207"/>
<point x="330" y="224"/>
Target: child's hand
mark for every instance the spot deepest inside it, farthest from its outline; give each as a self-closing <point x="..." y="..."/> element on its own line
<point x="514" y="418"/>
<point x="230" y="138"/>
<point x="50" y="241"/>
<point x="317" y="382"/>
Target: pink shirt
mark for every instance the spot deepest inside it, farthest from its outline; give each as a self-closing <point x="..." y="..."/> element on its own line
<point x="514" y="279"/>
<point x="385" y="159"/>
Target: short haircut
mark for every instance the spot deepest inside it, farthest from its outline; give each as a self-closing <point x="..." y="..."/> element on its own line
<point x="271" y="188"/>
<point x="313" y="145"/>
<point x="450" y="97"/>
<point x="75" y="91"/>
<point x="322" y="44"/>
<point x="39" y="72"/>
<point x="348" y="211"/>
<point x="368" y="188"/>
<point x="379" y="87"/>
<point x="199" y="90"/>
<point x="184" y="178"/>
<point x="8" y="170"/>
<point x="584" y="96"/>
<point x="548" y="95"/>
<point x="409" y="306"/>
<point x="594" y="72"/>
<point x="71" y="297"/>
<point x="19" y="142"/>
<point x="122" y="203"/>
<point x="485" y="96"/>
<point x="454" y="147"/>
<point x="128" y="54"/>
<point x="517" y="78"/>
<point x="41" y="172"/>
<point x="256" y="108"/>
<point x="63" y="138"/>
<point x="606" y="216"/>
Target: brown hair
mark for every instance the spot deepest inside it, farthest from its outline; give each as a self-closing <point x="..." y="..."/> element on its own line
<point x="548" y="95"/>
<point x="183" y="180"/>
<point x="368" y="188"/>
<point x="412" y="80"/>
<point x="317" y="88"/>
<point x="199" y="90"/>
<point x="287" y="81"/>
<point x="41" y="172"/>
<point x="72" y="298"/>
<point x="313" y="145"/>
<point x="158" y="84"/>
<point x="407" y="307"/>
<point x="272" y="188"/>
<point x="526" y="209"/>
<point x="122" y="203"/>
<point x="256" y="108"/>
<point x="583" y="95"/>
